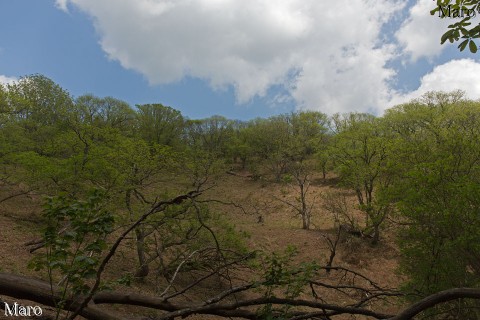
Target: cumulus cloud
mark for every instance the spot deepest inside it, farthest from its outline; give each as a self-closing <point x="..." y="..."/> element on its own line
<point x="328" y="55"/>
<point x="463" y="74"/>
<point x="420" y="34"/>
<point x="7" y="80"/>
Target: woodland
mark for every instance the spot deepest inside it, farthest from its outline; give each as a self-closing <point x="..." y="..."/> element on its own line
<point x="111" y="211"/>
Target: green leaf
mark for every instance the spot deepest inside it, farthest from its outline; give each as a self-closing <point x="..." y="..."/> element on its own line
<point x="456" y="35"/>
<point x="464" y="31"/>
<point x="446" y="36"/>
<point x="472" y="46"/>
<point x="463" y="45"/>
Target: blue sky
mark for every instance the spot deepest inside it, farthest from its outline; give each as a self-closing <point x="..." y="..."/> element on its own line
<point x="238" y="58"/>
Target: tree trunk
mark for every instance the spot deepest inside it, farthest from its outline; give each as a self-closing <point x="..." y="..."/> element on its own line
<point x="305" y="213"/>
<point x="376" y="234"/>
<point x="324" y="170"/>
<point x="143" y="269"/>
<point x="306" y="221"/>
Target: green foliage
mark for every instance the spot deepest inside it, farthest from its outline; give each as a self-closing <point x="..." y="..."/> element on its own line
<point x="287" y="178"/>
<point x="191" y="236"/>
<point x="279" y="141"/>
<point x="34" y="110"/>
<point x="74" y="239"/>
<point x="284" y="278"/>
<point x="37" y="101"/>
<point x="438" y="193"/>
<point x="160" y="125"/>
<point x="360" y="152"/>
<point x="281" y="272"/>
<point x="211" y="135"/>
<point x="104" y="112"/>
<point x="199" y="166"/>
<point x="462" y="30"/>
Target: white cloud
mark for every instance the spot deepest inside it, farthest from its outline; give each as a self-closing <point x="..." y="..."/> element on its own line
<point x="7" y="80"/>
<point x="463" y="74"/>
<point x="327" y="54"/>
<point x="420" y="34"/>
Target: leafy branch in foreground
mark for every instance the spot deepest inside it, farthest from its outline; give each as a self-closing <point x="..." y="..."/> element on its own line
<point x="460" y="30"/>
<point x="75" y="254"/>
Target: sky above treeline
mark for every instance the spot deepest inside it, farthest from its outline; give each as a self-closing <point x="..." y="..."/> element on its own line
<point x="238" y="58"/>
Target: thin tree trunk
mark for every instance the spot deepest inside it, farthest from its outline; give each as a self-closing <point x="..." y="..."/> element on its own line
<point x="305" y="213"/>
<point x="143" y="269"/>
<point x="376" y="234"/>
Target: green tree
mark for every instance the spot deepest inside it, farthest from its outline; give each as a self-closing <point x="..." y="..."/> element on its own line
<point x="34" y="131"/>
<point x="308" y="134"/>
<point x="283" y="140"/>
<point x="437" y="159"/>
<point x="286" y="145"/>
<point x="212" y="135"/>
<point x="104" y="112"/>
<point x="38" y="108"/>
<point x="239" y="147"/>
<point x="268" y="139"/>
<point x="129" y="168"/>
<point x="361" y="156"/>
<point x="300" y="177"/>
<point x="160" y="124"/>
<point x="37" y="101"/>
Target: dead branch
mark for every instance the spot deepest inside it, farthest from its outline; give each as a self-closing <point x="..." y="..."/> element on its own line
<point x="233" y="173"/>
<point x="22" y="287"/>
<point x="21" y="193"/>
<point x="437" y="298"/>
<point x="332" y="246"/>
<point x="39" y="291"/>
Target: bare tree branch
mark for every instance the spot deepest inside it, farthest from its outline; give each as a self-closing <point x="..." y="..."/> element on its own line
<point x="22" y="287"/>
<point x="437" y="298"/>
<point x="39" y="291"/>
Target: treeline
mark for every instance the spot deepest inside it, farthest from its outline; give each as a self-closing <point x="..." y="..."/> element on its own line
<point x="418" y="166"/>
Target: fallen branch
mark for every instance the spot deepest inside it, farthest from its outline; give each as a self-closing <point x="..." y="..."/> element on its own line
<point x="21" y="287"/>
<point x="437" y="298"/>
